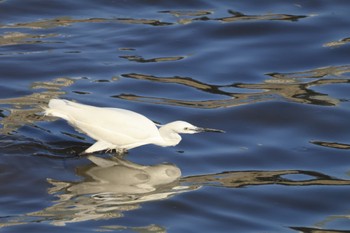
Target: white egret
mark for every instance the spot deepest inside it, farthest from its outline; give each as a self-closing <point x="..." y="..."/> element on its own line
<point x="119" y="129"/>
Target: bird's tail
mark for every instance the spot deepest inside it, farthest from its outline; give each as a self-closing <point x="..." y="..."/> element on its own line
<point x="56" y="108"/>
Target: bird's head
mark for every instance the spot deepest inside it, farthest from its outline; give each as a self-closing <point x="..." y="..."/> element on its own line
<point x="187" y="128"/>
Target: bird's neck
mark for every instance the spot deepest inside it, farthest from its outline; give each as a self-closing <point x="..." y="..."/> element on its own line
<point x="169" y="136"/>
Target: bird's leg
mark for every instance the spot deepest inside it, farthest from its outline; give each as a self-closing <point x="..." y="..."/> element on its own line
<point x="121" y="152"/>
<point x="109" y="150"/>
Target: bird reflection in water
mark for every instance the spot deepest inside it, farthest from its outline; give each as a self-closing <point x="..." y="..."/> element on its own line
<point x="113" y="186"/>
<point x="121" y="177"/>
<point x="110" y="187"/>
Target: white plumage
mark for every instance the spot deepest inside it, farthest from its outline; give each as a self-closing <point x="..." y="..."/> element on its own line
<point x="119" y="129"/>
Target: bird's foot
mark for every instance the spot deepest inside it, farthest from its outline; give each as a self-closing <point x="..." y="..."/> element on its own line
<point x="120" y="152"/>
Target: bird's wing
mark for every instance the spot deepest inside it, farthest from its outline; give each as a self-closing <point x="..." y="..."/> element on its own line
<point x="113" y="125"/>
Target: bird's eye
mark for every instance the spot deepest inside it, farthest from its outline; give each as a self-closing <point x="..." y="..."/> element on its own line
<point x="186" y="128"/>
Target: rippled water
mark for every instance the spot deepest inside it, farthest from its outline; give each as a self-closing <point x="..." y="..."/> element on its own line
<point x="273" y="74"/>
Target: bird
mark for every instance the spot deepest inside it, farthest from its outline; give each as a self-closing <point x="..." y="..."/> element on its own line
<point x="119" y="129"/>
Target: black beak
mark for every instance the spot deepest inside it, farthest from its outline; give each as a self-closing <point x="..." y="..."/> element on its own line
<point x="210" y="130"/>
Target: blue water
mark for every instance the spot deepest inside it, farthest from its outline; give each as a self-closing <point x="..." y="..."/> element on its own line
<point x="273" y="74"/>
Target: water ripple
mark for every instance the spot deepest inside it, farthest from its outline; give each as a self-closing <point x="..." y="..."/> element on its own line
<point x="15" y="38"/>
<point x="294" y="87"/>
<point x="337" y="43"/>
<point x="26" y="109"/>
<point x="273" y="74"/>
<point x="235" y="16"/>
<point x="335" y="145"/>
<point x="236" y="179"/>
<point x="158" y="59"/>
<point x="114" y="186"/>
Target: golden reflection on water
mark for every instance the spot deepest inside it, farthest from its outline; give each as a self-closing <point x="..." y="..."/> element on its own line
<point x="294" y="87"/>
<point x="328" y="221"/>
<point x="68" y="21"/>
<point x="181" y="17"/>
<point x="52" y="23"/>
<point x="26" y="110"/>
<point x="337" y="43"/>
<point x="14" y="38"/>
<point x="234" y="16"/>
<point x="239" y="16"/>
<point x="335" y="145"/>
<point x="180" y="13"/>
<point x="237" y="179"/>
<point x="144" y="229"/>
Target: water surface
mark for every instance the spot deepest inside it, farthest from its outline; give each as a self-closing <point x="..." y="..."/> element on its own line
<point x="273" y="74"/>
